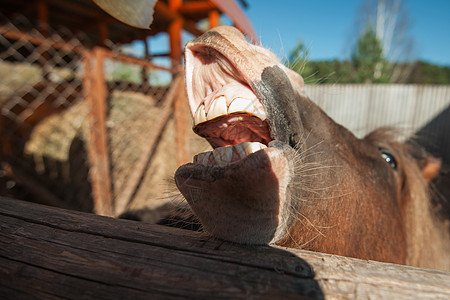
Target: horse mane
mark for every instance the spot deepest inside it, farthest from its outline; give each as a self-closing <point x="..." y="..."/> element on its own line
<point x="427" y="236"/>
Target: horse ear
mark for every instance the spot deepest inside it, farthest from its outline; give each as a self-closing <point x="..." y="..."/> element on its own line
<point x="430" y="167"/>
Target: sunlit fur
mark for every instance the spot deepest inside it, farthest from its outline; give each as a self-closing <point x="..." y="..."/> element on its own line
<point x="341" y="197"/>
<point x="305" y="173"/>
<point x="427" y="236"/>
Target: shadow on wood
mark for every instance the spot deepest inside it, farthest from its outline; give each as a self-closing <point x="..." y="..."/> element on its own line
<point x="49" y="253"/>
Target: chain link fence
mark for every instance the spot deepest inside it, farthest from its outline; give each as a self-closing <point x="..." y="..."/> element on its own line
<point x="79" y="126"/>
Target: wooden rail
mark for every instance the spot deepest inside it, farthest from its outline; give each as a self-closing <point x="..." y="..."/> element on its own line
<point x="51" y="253"/>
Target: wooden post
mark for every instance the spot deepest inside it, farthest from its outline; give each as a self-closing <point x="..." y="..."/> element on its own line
<point x="144" y="74"/>
<point x="43" y="28"/>
<point x="175" y="33"/>
<point x="213" y="18"/>
<point x="180" y="106"/>
<point x="94" y="89"/>
<point x="42" y="17"/>
<point x="102" y="33"/>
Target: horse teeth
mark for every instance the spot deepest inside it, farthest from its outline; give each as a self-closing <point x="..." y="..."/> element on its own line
<point x="247" y="148"/>
<point x="202" y="158"/>
<point x="240" y="150"/>
<point x="259" y="112"/>
<point x="253" y="147"/>
<point x="200" y="115"/>
<point x="240" y="105"/>
<point x="223" y="155"/>
<point x="244" y="105"/>
<point x="218" y="108"/>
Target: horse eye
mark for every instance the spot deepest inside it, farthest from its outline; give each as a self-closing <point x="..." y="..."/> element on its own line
<point x="389" y="158"/>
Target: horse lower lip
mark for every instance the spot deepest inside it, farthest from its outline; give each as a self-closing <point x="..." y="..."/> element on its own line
<point x="254" y="207"/>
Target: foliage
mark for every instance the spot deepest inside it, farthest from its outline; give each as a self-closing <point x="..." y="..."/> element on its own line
<point x="382" y="52"/>
<point x="368" y="59"/>
<point x="426" y="73"/>
<point x="342" y="72"/>
<point x="367" y="65"/>
<point x="298" y="58"/>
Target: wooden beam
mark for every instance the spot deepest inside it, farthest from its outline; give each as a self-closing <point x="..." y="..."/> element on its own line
<point x="47" y="252"/>
<point x="176" y="51"/>
<point x="181" y="122"/>
<point x="160" y="55"/>
<point x="213" y="18"/>
<point x="94" y="90"/>
<point x="174" y="31"/>
<point x="42" y="17"/>
<point x="165" y="12"/>
<point x="92" y="10"/>
<point x="196" y="7"/>
<point x="47" y="43"/>
<point x="102" y="33"/>
<point x="191" y="27"/>
<point x="237" y="16"/>
<point x="144" y="71"/>
<point x="131" y="60"/>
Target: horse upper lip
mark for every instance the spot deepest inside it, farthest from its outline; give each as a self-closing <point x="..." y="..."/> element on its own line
<point x="218" y="91"/>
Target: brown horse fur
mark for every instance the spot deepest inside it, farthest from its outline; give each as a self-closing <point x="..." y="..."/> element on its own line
<point x="310" y="183"/>
<point x="427" y="234"/>
<point x="421" y="235"/>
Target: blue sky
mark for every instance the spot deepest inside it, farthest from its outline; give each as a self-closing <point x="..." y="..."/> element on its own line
<point x="327" y="27"/>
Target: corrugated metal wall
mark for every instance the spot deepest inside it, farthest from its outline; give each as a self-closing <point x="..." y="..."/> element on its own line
<point x="421" y="111"/>
<point x="363" y="108"/>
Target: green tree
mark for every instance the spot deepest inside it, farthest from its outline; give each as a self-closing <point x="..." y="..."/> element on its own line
<point x="313" y="72"/>
<point x="369" y="63"/>
<point x="298" y="58"/>
<point x="425" y="73"/>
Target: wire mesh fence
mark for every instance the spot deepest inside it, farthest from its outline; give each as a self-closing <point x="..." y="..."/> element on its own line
<point x="42" y="117"/>
<point x="78" y="125"/>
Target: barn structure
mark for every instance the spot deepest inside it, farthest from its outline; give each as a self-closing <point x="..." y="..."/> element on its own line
<point x="72" y="100"/>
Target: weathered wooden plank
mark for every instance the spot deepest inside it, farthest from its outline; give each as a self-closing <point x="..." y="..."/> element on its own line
<point x="53" y="253"/>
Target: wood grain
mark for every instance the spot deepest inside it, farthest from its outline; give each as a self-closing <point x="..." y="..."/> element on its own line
<point x="51" y="253"/>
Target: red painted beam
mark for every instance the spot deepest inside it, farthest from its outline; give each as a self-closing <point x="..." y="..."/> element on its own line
<point x="237" y="16"/>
